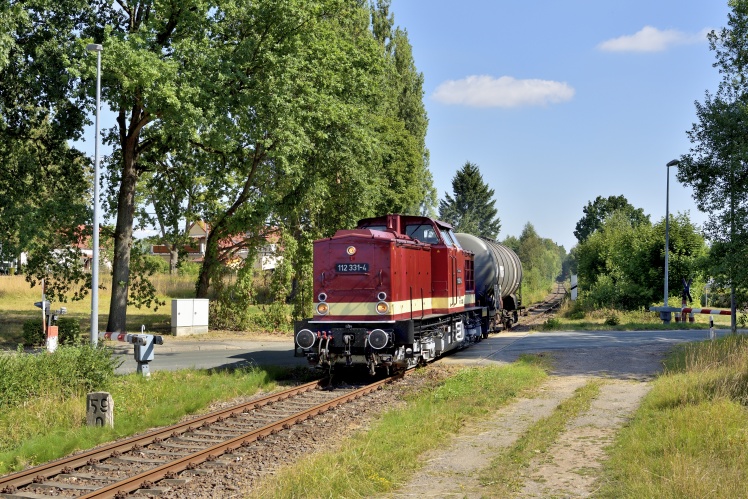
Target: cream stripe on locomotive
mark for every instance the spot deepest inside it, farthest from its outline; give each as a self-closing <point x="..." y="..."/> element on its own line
<point x="398" y="307"/>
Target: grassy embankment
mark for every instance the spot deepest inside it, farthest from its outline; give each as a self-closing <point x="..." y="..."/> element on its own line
<point x="689" y="437"/>
<point x="17" y="305"/>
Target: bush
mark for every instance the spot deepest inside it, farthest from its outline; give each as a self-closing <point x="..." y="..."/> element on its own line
<point x="33" y="333"/>
<point x="551" y="324"/>
<point x="576" y="311"/>
<point x="235" y="317"/>
<point x="67" y="372"/>
<point x="189" y="268"/>
<point x="612" y="320"/>
<point x="158" y="264"/>
<point x="69" y="332"/>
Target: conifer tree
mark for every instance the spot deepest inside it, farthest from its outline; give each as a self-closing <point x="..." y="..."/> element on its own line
<point x="472" y="207"/>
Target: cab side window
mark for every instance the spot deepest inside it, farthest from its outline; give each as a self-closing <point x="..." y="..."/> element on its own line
<point x="450" y="236"/>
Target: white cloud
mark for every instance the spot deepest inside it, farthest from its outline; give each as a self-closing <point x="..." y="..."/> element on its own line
<point x="650" y="39"/>
<point x="486" y="91"/>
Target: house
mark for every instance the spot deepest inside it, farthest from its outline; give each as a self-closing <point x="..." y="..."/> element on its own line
<point x="84" y="247"/>
<point x="234" y="250"/>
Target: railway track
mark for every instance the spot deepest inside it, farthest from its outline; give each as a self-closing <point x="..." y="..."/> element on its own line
<point x="540" y="312"/>
<point x="162" y="459"/>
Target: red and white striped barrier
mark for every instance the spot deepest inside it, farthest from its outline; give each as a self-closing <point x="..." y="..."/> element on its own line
<point x="710" y="311"/>
<point x="135" y="339"/>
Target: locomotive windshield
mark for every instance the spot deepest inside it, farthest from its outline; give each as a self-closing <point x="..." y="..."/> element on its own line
<point x="423" y="232"/>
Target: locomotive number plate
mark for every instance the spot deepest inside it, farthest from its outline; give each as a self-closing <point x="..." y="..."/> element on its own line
<point x="352" y="268"/>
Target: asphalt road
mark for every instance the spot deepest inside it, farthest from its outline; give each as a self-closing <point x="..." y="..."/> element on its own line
<point x="174" y="355"/>
<point x="498" y="348"/>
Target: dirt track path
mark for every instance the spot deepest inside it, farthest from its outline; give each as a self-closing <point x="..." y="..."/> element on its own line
<point x="572" y="465"/>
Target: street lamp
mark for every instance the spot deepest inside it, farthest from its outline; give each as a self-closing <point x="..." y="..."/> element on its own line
<point x="674" y="162"/>
<point x="95" y="47"/>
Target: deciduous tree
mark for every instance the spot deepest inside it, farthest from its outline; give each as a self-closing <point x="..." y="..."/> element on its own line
<point x="601" y="208"/>
<point x="43" y="187"/>
<point x="717" y="164"/>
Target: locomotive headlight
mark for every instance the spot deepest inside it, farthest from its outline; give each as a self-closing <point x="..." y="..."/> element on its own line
<point x="382" y="307"/>
<point x="322" y="297"/>
<point x="322" y="308"/>
<point x="351" y="250"/>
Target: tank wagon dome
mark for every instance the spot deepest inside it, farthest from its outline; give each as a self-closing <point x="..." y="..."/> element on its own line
<point x="490" y="259"/>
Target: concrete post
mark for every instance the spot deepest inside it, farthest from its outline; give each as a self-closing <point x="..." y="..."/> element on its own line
<point x="100" y="409"/>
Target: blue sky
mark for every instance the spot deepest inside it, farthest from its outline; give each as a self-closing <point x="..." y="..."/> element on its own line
<point x="559" y="102"/>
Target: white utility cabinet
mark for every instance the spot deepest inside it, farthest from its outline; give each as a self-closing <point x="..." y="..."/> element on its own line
<point x="189" y="316"/>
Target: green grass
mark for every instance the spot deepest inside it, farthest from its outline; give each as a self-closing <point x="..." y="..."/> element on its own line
<point x="504" y="476"/>
<point x="571" y="317"/>
<point x="51" y="426"/>
<point x="381" y="459"/>
<point x="688" y="438"/>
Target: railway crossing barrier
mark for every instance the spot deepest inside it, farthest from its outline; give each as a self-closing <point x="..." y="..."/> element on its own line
<point x="143" y="344"/>
<point x="49" y="329"/>
<point x="681" y="312"/>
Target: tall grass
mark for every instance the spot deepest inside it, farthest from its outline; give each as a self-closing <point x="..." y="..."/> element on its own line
<point x="67" y="371"/>
<point x="689" y="438"/>
<point x="575" y="316"/>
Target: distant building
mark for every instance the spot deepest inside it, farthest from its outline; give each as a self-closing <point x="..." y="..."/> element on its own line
<point x="234" y="250"/>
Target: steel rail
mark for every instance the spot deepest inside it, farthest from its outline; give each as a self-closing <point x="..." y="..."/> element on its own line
<point x="155" y="474"/>
<point x="26" y="477"/>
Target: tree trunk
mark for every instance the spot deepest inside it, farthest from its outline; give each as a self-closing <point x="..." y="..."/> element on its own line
<point x="210" y="264"/>
<point x="129" y="141"/>
<point x="173" y="259"/>
<point x="122" y="246"/>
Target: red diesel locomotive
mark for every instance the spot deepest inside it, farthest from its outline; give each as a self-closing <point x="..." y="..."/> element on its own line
<point x="402" y="290"/>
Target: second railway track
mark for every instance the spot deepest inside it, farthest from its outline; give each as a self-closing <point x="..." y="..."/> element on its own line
<point x="154" y="462"/>
<point x="540" y="312"/>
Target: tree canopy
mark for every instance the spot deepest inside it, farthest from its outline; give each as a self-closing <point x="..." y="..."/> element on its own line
<point x="600" y="209"/>
<point x="541" y="262"/>
<point x="44" y="189"/>
<point x="471" y="208"/>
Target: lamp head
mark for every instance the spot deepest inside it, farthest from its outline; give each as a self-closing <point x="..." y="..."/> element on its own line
<point x="673" y="163"/>
<point x="94" y="47"/>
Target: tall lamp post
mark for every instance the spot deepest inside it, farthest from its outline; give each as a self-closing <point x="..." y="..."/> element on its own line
<point x="667" y="229"/>
<point x="95" y="47"/>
